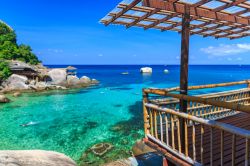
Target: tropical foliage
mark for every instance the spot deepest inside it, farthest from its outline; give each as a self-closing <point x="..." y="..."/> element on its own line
<point x="10" y="50"/>
<point x="4" y="70"/>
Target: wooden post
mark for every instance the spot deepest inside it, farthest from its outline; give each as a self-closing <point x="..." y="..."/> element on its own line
<point x="184" y="66"/>
<point x="145" y="114"/>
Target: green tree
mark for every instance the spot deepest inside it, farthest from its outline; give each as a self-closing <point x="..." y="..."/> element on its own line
<point x="5" y="71"/>
<point x="10" y="50"/>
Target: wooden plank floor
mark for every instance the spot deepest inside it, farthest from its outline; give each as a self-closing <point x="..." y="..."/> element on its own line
<point x="241" y="120"/>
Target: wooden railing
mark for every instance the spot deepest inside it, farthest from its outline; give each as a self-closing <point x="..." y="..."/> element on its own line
<point x="164" y="124"/>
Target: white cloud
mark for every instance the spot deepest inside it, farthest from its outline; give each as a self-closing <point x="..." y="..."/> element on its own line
<point x="55" y="50"/>
<point x="224" y="50"/>
<point x="239" y="59"/>
<point x="100" y="55"/>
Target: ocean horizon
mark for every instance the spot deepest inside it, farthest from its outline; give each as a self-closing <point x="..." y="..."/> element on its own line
<point x="71" y="121"/>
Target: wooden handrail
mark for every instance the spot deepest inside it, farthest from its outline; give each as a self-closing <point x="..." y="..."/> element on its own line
<point x="202" y="86"/>
<point x="232" y="106"/>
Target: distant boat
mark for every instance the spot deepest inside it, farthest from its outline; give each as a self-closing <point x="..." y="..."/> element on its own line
<point x="125" y="73"/>
<point x="146" y="70"/>
<point x="166" y="71"/>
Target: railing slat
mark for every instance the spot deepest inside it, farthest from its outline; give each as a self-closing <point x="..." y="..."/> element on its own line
<point x="233" y="149"/>
<point x="247" y="153"/>
<point x="161" y="127"/>
<point x="193" y="141"/>
<point x="211" y="146"/>
<point x="179" y="134"/>
<point x="172" y="131"/>
<point x="222" y="147"/>
<point x="202" y="140"/>
<point x="155" y="123"/>
<point x="167" y="128"/>
<point x="151" y="123"/>
<point x="186" y="136"/>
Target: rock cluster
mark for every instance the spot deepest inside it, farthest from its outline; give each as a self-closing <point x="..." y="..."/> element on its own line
<point x="47" y="79"/>
<point x="60" y="77"/>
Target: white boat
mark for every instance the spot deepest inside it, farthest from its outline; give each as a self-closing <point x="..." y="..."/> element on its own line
<point x="166" y="71"/>
<point x="146" y="70"/>
<point x="125" y="73"/>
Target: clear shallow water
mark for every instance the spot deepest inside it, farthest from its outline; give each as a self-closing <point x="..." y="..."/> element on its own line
<point x="72" y="121"/>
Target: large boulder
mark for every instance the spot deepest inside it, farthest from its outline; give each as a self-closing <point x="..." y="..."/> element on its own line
<point x="17" y="94"/>
<point x="58" y="76"/>
<point x="94" y="81"/>
<point x="34" y="157"/>
<point x="16" y="82"/>
<point x="85" y="80"/>
<point x="4" y="99"/>
<point x="73" y="81"/>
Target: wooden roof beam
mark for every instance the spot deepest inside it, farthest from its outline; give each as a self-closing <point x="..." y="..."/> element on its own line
<point x="200" y="3"/>
<point x="197" y="11"/>
<point x="219" y="31"/>
<point x="234" y="3"/>
<point x="237" y="37"/>
<point x="207" y="29"/>
<point x="232" y="33"/>
<point x="241" y="12"/>
<point x="172" y="26"/>
<point x="119" y="14"/>
<point x="143" y="17"/>
<point x="161" y="21"/>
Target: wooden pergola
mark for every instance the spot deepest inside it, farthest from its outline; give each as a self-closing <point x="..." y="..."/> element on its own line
<point x="208" y="18"/>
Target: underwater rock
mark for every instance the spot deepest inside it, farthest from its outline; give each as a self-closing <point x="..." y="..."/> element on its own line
<point x="17" y="94"/>
<point x="4" y="99"/>
<point x="101" y="148"/>
<point x="116" y="128"/>
<point x="118" y="105"/>
<point x="91" y="125"/>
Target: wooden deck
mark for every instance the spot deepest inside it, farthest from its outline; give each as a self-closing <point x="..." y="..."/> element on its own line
<point x="241" y="120"/>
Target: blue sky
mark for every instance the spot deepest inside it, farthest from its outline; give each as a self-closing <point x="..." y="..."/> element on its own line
<point x="68" y="32"/>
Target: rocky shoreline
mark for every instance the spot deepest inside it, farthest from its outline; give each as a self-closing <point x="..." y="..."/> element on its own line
<point x="36" y="78"/>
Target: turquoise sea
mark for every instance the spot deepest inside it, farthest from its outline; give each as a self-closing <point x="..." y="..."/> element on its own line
<point x="74" y="120"/>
